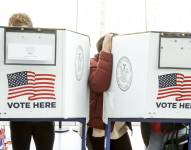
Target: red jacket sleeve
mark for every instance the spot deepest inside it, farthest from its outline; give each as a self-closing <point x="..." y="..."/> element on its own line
<point x="100" y="72"/>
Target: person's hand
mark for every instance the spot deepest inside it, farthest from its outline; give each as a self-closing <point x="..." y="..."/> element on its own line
<point x="107" y="43"/>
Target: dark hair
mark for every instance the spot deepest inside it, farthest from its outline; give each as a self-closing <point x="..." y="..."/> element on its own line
<point x="100" y="43"/>
<point x="20" y="19"/>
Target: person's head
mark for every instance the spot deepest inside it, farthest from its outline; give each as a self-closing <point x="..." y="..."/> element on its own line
<point x="20" y="20"/>
<point x="100" y="42"/>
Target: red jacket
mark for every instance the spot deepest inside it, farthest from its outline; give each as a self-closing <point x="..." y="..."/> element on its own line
<point x="155" y="127"/>
<point x="99" y="81"/>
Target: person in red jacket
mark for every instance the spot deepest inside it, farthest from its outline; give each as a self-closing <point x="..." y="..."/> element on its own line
<point x="99" y="81"/>
<point x="157" y="138"/>
<point x="161" y="133"/>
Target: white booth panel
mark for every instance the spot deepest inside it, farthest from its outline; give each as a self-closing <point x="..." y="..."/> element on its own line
<point x="128" y="89"/>
<point x="75" y="74"/>
<point x="1" y="60"/>
<point x="1" y="45"/>
<point x="30" y="91"/>
<point x="146" y="90"/>
<point x="41" y="90"/>
<point x="170" y="88"/>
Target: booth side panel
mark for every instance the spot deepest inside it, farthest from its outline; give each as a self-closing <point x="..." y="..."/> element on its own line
<point x="1" y="62"/>
<point x="152" y="79"/>
<point x="127" y="94"/>
<point x="76" y="75"/>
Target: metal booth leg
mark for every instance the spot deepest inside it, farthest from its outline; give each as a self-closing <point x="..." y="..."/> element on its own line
<point x="83" y="133"/>
<point x="107" y="135"/>
<point x="60" y="124"/>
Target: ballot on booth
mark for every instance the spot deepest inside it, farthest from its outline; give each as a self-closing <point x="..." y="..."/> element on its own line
<point x="151" y="76"/>
<point x="43" y="73"/>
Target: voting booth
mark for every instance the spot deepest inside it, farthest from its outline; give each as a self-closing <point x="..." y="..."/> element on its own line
<point x="43" y="73"/>
<point x="151" y="76"/>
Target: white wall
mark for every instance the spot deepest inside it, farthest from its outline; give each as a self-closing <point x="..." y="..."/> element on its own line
<point x="97" y="17"/>
<point x="49" y="13"/>
<point x="125" y="16"/>
<point x="169" y="15"/>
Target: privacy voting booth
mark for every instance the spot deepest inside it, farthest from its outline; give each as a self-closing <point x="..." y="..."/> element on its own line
<point x="43" y="73"/>
<point x="151" y="76"/>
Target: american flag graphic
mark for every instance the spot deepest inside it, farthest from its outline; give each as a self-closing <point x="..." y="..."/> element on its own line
<point x="176" y="85"/>
<point x="34" y="86"/>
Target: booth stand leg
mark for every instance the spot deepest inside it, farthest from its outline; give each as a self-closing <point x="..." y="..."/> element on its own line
<point x="60" y="129"/>
<point x="83" y="133"/>
<point x="107" y="135"/>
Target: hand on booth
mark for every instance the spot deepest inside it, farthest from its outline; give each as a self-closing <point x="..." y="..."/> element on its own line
<point x="107" y="43"/>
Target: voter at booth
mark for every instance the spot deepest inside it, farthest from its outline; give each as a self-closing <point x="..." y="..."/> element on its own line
<point x="22" y="131"/>
<point x="164" y="136"/>
<point x="99" y="81"/>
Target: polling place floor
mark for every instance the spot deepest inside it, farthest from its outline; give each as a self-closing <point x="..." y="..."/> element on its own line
<point x="71" y="140"/>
